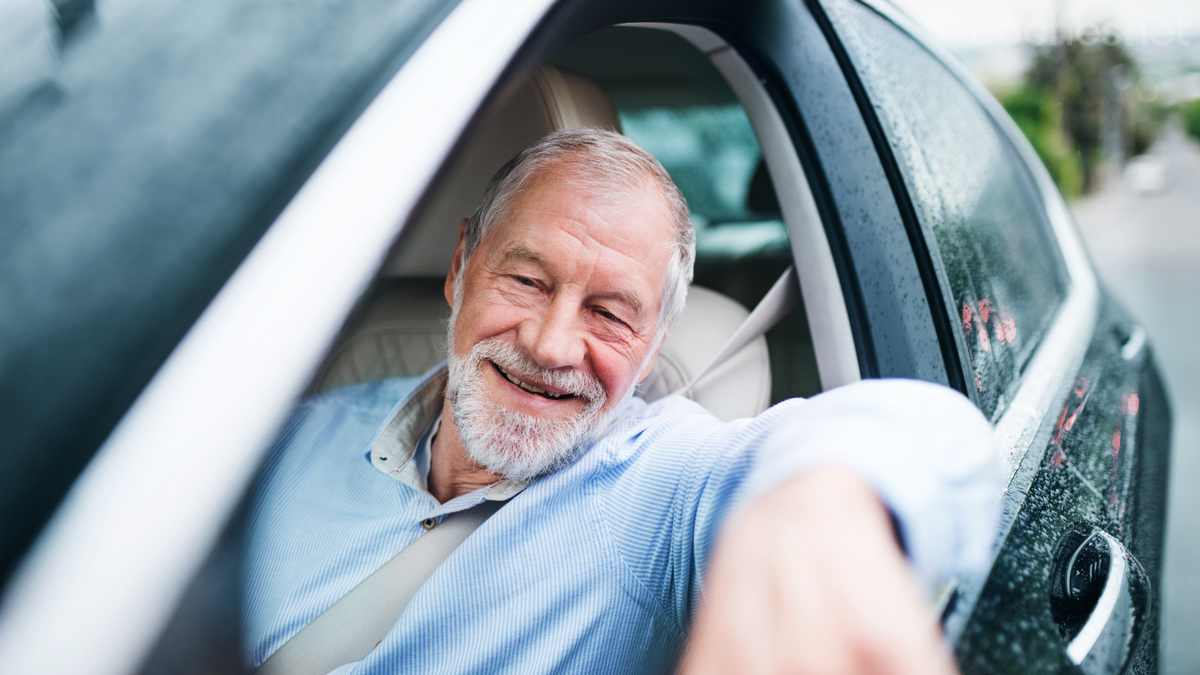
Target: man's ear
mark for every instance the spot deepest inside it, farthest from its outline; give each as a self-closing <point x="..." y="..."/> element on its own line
<point x="455" y="264"/>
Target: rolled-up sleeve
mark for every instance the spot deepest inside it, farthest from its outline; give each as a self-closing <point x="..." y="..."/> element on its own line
<point x="925" y="449"/>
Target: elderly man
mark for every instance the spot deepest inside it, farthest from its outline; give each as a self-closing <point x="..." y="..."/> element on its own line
<point x="628" y="531"/>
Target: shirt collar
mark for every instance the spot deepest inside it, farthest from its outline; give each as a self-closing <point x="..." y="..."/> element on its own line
<point x="411" y="426"/>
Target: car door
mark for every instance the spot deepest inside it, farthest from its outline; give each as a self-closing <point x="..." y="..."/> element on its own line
<point x="231" y="331"/>
<point x="201" y="378"/>
<point x="1068" y="381"/>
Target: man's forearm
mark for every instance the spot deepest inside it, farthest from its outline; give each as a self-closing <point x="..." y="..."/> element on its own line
<point x="810" y="579"/>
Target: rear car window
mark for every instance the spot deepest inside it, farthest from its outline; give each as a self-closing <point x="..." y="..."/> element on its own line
<point x="144" y="149"/>
<point x="982" y="216"/>
<point x="710" y="152"/>
<point x="742" y="243"/>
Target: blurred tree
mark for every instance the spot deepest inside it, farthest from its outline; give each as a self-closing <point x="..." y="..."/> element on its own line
<point x="1062" y="106"/>
<point x="1191" y="119"/>
<point x="1077" y="77"/>
<point x="1038" y="115"/>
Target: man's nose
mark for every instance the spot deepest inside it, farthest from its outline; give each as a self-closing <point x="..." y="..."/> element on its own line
<point x="555" y="337"/>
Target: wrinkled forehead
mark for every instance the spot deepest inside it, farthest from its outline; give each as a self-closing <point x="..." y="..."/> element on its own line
<point x="625" y="230"/>
<point x="630" y="198"/>
<point x="597" y="207"/>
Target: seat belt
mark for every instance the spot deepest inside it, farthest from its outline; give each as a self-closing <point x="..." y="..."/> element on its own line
<point x="351" y="627"/>
<point x="783" y="297"/>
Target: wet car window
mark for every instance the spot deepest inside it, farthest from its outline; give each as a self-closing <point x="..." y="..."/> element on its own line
<point x="974" y="196"/>
<point x="144" y="149"/>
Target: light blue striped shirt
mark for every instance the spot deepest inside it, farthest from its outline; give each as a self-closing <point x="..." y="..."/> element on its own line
<point x="598" y="566"/>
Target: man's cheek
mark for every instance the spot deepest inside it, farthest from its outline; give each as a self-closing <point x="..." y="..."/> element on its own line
<point x="491" y="316"/>
<point x="618" y="369"/>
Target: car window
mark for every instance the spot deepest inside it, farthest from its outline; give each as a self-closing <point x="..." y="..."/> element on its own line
<point x="709" y="150"/>
<point x="705" y="139"/>
<point x="742" y="244"/>
<point x="144" y="149"/>
<point x="978" y="206"/>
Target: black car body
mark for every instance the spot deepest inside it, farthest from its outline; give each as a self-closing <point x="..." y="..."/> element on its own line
<point x="197" y="201"/>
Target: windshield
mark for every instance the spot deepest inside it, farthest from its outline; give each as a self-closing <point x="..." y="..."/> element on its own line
<point x="144" y="149"/>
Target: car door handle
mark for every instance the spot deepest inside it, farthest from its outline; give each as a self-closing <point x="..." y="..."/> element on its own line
<point x="1131" y="339"/>
<point x="1100" y="598"/>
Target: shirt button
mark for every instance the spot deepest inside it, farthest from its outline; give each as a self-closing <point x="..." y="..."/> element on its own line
<point x="428" y="523"/>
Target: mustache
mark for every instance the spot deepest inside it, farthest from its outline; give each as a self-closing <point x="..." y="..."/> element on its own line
<point x="518" y="363"/>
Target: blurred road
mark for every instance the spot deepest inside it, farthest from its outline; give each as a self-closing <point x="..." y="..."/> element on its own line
<point x="1147" y="248"/>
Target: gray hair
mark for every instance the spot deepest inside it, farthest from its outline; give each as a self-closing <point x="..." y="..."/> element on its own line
<point x="603" y="163"/>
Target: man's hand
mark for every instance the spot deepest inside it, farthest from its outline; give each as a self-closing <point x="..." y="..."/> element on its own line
<point x="810" y="579"/>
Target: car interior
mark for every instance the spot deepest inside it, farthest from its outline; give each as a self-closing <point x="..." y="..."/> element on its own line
<point x="687" y="97"/>
<point x="661" y="89"/>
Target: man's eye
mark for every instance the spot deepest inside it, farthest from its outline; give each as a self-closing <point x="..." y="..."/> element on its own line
<point x="524" y="281"/>
<point x="608" y="315"/>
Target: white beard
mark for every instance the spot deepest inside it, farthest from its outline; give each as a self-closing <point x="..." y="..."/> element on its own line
<point x="509" y="443"/>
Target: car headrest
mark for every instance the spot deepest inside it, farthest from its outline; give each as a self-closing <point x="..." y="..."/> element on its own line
<point x="740" y="387"/>
<point x="549" y="100"/>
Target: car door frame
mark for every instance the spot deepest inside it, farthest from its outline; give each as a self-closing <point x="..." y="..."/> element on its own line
<point x="1046" y="380"/>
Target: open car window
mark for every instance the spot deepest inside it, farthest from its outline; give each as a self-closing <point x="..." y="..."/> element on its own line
<point x="399" y="327"/>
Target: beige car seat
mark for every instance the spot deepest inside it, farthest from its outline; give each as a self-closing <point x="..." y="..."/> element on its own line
<point x="401" y="332"/>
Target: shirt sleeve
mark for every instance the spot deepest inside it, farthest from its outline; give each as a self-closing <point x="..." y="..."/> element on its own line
<point x="676" y="477"/>
<point x="926" y="450"/>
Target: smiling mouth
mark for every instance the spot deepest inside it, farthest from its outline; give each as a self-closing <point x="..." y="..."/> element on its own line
<point x="529" y="387"/>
